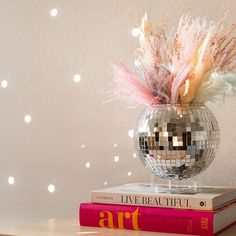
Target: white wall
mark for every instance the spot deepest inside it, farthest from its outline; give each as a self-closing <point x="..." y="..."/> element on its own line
<point x="39" y="55"/>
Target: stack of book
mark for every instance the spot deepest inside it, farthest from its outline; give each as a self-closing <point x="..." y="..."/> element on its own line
<point x="179" y="209"/>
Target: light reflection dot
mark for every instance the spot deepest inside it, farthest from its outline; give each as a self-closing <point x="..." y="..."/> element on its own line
<point x="87" y="165"/>
<point x="115" y="145"/>
<point x="77" y="78"/>
<point x="54" y="12"/>
<point x="135" y="32"/>
<point x="116" y="158"/>
<point x="129" y="173"/>
<point x="11" y="180"/>
<point x="83" y="146"/>
<point x="134" y="155"/>
<point x="131" y="133"/>
<point x="27" y="119"/>
<point x="4" y="83"/>
<point x="51" y="188"/>
<point x="105" y="183"/>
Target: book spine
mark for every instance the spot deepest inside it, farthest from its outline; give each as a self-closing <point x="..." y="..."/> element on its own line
<point x="146" y="219"/>
<point x="174" y="201"/>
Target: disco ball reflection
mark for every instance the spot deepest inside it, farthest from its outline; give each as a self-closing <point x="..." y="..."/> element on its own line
<point x="177" y="141"/>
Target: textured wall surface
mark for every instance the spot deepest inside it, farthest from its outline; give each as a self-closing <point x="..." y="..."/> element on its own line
<point x="74" y="135"/>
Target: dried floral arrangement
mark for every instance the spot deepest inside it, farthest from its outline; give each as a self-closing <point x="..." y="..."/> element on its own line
<point x="194" y="63"/>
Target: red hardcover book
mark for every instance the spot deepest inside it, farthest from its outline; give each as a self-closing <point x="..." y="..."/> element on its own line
<point x="157" y="219"/>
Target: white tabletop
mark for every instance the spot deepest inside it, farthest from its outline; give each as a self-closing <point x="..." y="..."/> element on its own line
<point x="70" y="226"/>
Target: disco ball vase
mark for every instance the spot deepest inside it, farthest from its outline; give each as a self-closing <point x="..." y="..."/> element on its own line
<point x="178" y="141"/>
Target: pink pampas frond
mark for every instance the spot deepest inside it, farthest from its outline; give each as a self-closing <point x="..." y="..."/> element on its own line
<point x="128" y="86"/>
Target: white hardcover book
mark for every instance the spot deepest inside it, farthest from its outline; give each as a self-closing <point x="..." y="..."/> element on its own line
<point x="181" y="197"/>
